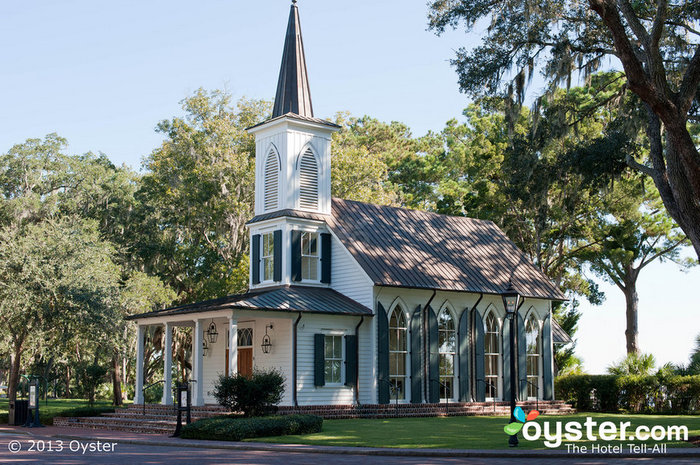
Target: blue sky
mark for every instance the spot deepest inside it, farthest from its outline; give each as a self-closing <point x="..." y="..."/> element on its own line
<point x="102" y="74"/>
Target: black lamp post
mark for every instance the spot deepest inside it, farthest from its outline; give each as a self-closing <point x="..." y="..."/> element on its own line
<point x="511" y="299"/>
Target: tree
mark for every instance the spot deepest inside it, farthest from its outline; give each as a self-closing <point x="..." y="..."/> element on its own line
<point x="655" y="42"/>
<point x="633" y="364"/>
<point x="632" y="231"/>
<point x="58" y="281"/>
<point x="197" y="195"/>
<point x="365" y="156"/>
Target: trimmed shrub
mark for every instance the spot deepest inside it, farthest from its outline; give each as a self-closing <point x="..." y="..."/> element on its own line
<point x="255" y="396"/>
<point x="631" y="393"/>
<point x="229" y="428"/>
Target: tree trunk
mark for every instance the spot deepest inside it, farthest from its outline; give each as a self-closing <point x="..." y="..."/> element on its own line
<point x="14" y="373"/>
<point x="116" y="380"/>
<point x="66" y="394"/>
<point x="632" y="331"/>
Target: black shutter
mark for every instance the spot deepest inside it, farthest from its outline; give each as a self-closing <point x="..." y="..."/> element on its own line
<point x="319" y="359"/>
<point x="382" y="354"/>
<point x="255" y="259"/>
<point x="296" y="255"/>
<point x="505" y="344"/>
<point x="463" y="348"/>
<point x="350" y="360"/>
<point x="326" y="258"/>
<point x="415" y="325"/>
<point x="278" y="255"/>
<point x="434" y="357"/>
<point x="522" y="358"/>
<point x="547" y="359"/>
<point x="480" y="375"/>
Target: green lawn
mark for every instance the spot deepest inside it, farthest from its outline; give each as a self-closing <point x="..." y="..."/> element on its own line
<point x="462" y="432"/>
<point x="61" y="407"/>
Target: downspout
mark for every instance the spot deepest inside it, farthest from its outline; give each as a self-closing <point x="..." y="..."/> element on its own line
<point x="472" y="384"/>
<point x="357" y="358"/>
<point x="426" y="355"/>
<point x="294" y="359"/>
<point x="517" y="343"/>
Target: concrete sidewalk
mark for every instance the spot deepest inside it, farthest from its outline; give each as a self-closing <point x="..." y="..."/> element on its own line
<point x="124" y="437"/>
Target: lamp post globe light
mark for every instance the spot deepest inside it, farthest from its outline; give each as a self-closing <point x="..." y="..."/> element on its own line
<point x="511" y="300"/>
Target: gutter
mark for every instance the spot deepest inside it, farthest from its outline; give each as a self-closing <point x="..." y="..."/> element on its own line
<point x="294" y="359"/>
<point x="357" y="358"/>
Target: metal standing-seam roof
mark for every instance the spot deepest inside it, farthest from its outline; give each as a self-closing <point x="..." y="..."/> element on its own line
<point x="410" y="248"/>
<point x="287" y="298"/>
<point x="559" y="336"/>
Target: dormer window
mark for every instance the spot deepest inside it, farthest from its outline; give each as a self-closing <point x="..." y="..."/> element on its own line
<point x="308" y="181"/>
<point x="272" y="180"/>
<point x="309" y="256"/>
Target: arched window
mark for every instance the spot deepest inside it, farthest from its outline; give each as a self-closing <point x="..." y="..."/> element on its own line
<point x="272" y="180"/>
<point x="447" y="340"/>
<point x="492" y="355"/>
<point x="308" y="180"/>
<point x="532" y="338"/>
<point x="398" y="352"/>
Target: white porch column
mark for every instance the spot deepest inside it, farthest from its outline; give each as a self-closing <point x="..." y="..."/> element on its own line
<point x="168" y="368"/>
<point x="232" y="345"/>
<point x="138" y="391"/>
<point x="198" y="365"/>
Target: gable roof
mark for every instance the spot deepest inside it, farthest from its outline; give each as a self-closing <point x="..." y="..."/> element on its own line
<point x="559" y="336"/>
<point x="410" y="248"/>
<point x="287" y="298"/>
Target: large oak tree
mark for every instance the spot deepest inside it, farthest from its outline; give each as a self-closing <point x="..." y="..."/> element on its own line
<point x="656" y="43"/>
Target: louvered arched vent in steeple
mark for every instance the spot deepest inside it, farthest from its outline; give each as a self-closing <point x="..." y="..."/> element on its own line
<point x="308" y="180"/>
<point x="272" y="180"/>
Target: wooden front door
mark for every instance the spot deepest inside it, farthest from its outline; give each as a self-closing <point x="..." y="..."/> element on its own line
<point x="245" y="361"/>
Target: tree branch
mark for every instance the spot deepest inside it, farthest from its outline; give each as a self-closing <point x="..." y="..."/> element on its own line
<point x="660" y="253"/>
<point x="690" y="83"/>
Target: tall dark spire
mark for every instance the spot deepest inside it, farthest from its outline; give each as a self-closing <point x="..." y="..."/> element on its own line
<point x="293" y="94"/>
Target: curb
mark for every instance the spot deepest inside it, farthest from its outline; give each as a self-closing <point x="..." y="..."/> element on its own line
<point x="299" y="448"/>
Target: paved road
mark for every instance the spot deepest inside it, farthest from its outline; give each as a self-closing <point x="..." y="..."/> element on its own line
<point x="133" y="454"/>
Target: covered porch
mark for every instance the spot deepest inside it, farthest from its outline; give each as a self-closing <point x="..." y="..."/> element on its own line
<point x="227" y="337"/>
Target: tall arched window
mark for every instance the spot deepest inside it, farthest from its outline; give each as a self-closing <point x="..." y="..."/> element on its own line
<point x="272" y="180"/>
<point x="532" y="338"/>
<point x="398" y="352"/>
<point x="447" y="340"/>
<point x="492" y="355"/>
<point x="308" y="180"/>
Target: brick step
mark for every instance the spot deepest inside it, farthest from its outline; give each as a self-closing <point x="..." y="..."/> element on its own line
<point x="138" y="416"/>
<point x="102" y="423"/>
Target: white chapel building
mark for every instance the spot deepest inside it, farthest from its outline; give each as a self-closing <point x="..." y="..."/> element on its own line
<point x="356" y="303"/>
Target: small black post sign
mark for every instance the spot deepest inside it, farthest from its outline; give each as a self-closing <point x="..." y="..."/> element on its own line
<point x="183" y="399"/>
<point x="33" y="415"/>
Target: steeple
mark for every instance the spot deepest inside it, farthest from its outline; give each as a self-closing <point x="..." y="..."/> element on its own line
<point x="293" y="93"/>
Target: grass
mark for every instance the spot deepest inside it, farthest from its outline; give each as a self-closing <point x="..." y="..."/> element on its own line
<point x="62" y="408"/>
<point x="466" y="432"/>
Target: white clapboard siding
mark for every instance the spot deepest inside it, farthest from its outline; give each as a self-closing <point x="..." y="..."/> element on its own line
<point x="310" y="324"/>
<point x="272" y="175"/>
<point x="308" y="181"/>
<point x="348" y="277"/>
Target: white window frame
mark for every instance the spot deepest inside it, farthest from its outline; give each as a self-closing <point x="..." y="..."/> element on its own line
<point x="270" y="258"/>
<point x="499" y="356"/>
<point x="400" y="307"/>
<point x="448" y="309"/>
<point x="532" y="317"/>
<point x="341" y="337"/>
<point x="311" y="257"/>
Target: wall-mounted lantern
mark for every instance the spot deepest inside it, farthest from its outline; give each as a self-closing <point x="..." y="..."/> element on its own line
<point x="205" y="347"/>
<point x="266" y="342"/>
<point x="211" y="332"/>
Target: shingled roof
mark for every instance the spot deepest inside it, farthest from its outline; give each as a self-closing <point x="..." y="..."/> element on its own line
<point x="416" y="249"/>
<point x="286" y="299"/>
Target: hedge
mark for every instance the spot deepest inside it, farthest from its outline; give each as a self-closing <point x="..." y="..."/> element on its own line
<point x="230" y="428"/>
<point x="630" y="393"/>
